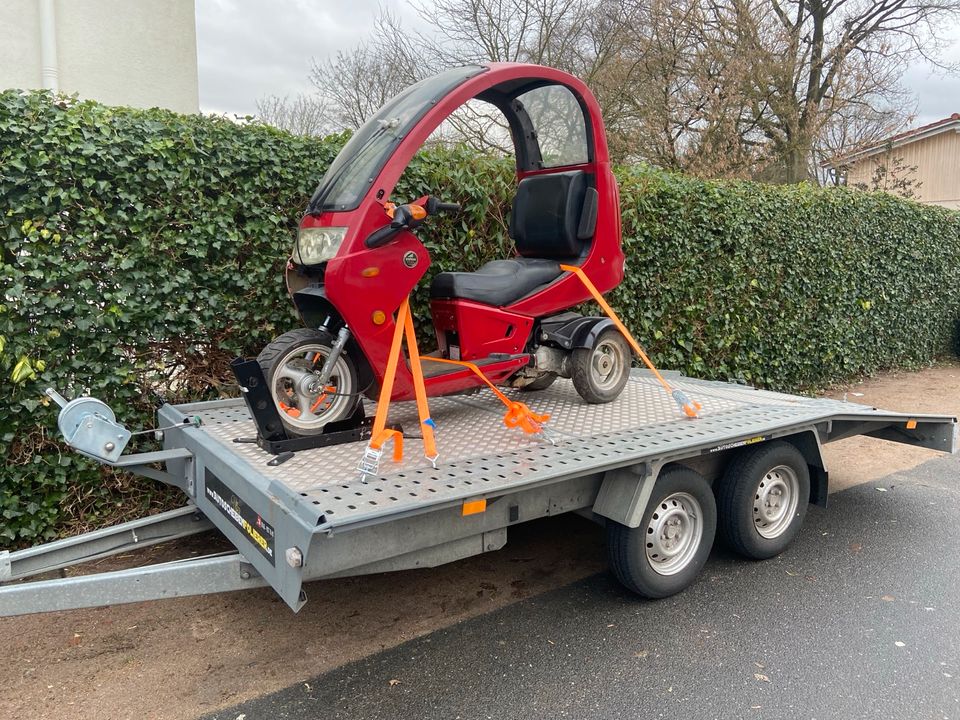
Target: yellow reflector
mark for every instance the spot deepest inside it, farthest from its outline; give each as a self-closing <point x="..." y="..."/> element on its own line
<point x="370" y="272"/>
<point x="472" y="507"/>
<point x="379" y="317"/>
<point x="911" y="424"/>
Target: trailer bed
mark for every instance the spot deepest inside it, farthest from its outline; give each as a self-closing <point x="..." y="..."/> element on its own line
<point x="481" y="457"/>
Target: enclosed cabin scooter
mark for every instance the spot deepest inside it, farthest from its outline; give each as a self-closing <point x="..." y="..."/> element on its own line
<point x="357" y="257"/>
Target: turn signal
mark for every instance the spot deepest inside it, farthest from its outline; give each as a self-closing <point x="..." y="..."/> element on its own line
<point x="370" y="272"/>
<point x="379" y="317"/>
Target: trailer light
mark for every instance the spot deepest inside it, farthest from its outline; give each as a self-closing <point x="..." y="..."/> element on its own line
<point x="370" y="272"/>
<point x="379" y="317"/>
<point x="317" y="244"/>
<point x="473" y="507"/>
<point x="911" y="424"/>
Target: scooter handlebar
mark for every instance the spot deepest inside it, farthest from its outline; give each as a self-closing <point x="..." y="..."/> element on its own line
<point x="435" y="206"/>
<point x="405" y="217"/>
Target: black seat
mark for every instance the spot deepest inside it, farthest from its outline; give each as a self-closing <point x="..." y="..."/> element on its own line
<point x="553" y="219"/>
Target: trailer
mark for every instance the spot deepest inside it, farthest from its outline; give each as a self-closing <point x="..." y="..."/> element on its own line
<point x="308" y="515"/>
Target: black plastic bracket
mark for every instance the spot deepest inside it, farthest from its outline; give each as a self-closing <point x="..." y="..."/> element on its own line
<point x="272" y="436"/>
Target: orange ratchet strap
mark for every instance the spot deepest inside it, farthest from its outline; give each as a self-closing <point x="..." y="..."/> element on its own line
<point x="690" y="408"/>
<point x="370" y="463"/>
<point x="518" y="414"/>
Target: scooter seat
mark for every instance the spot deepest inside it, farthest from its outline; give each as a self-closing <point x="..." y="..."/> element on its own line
<point x="499" y="282"/>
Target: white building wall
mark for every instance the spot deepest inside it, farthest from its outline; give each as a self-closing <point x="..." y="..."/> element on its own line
<point x="141" y="53"/>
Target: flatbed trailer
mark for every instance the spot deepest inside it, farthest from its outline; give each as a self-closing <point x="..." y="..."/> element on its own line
<point x="313" y="516"/>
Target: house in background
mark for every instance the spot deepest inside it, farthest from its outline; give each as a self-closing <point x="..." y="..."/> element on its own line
<point x="923" y="163"/>
<point x="120" y="52"/>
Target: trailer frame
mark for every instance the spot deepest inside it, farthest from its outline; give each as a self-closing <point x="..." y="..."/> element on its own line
<point x="313" y="517"/>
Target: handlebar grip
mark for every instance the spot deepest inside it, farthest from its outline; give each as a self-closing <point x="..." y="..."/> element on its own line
<point x="381" y="237"/>
<point x="448" y="207"/>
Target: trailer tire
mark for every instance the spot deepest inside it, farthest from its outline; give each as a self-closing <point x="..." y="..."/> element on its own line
<point x="600" y="372"/>
<point x="646" y="559"/>
<point x="762" y="498"/>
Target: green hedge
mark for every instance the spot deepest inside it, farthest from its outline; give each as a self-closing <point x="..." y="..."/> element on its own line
<point x="142" y="250"/>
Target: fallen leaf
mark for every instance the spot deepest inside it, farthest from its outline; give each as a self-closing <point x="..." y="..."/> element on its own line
<point x="887" y="598"/>
<point x="611" y="625"/>
<point x="641" y="653"/>
<point x="791" y="573"/>
<point x="881" y="489"/>
<point x="761" y="677"/>
<point x="551" y="642"/>
<point x="856" y="547"/>
<point x="393" y="682"/>
<point x="306" y="686"/>
<point x="900" y="644"/>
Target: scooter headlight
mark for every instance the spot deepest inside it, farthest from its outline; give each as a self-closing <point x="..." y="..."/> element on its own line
<point x="317" y="244"/>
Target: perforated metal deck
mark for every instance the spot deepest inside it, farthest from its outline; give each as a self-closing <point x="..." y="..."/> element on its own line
<point x="479" y="456"/>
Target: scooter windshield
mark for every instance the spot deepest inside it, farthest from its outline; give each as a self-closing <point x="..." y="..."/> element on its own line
<point x="363" y="157"/>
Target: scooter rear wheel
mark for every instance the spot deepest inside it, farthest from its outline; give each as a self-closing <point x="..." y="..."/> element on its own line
<point x="600" y="372"/>
<point x="292" y="364"/>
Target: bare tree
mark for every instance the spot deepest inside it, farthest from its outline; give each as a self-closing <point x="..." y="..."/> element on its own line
<point x="815" y="59"/>
<point x="301" y="115"/>
<point x="753" y="88"/>
<point x="894" y="176"/>
<point x="357" y="82"/>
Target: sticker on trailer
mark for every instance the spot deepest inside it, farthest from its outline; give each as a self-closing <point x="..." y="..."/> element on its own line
<point x="258" y="530"/>
<point x="739" y="443"/>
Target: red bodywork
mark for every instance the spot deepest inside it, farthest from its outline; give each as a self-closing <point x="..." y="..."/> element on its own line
<point x="483" y="329"/>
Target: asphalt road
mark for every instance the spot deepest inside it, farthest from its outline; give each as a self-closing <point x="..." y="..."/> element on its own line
<point x="859" y="619"/>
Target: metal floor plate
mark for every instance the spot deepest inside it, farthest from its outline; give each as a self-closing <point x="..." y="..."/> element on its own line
<point x="479" y="456"/>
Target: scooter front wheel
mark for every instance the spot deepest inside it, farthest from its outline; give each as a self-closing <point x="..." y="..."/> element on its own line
<point x="292" y="365"/>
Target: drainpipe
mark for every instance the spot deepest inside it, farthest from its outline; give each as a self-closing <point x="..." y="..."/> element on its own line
<point x="49" y="69"/>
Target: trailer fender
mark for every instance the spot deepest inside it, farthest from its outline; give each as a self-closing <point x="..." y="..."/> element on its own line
<point x="625" y="492"/>
<point x="808" y="443"/>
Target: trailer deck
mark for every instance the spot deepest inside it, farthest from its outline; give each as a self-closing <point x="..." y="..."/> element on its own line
<point x="313" y="516"/>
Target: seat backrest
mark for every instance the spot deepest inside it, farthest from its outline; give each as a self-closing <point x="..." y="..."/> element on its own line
<point x="553" y="215"/>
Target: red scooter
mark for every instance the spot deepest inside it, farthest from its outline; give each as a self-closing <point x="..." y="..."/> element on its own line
<point x="357" y="257"/>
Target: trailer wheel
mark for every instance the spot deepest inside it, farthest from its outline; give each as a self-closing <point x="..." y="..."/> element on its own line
<point x="600" y="372"/>
<point x="291" y="364"/>
<point x="762" y="498"/>
<point x="666" y="552"/>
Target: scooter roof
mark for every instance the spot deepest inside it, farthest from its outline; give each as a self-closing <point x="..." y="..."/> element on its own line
<point x="400" y="127"/>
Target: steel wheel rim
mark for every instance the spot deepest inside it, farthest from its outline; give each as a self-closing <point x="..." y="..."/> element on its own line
<point x="674" y="533"/>
<point x="775" y="501"/>
<point x="295" y="388"/>
<point x="606" y="363"/>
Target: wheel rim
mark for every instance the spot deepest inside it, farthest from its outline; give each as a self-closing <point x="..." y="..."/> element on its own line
<point x="674" y="533"/>
<point x="775" y="501"/>
<point x="296" y="390"/>
<point x="607" y="363"/>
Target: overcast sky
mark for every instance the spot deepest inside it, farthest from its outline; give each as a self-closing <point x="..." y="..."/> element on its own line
<point x="251" y="48"/>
